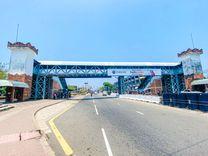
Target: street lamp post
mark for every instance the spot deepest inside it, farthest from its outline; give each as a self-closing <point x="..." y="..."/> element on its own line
<point x="85" y="86"/>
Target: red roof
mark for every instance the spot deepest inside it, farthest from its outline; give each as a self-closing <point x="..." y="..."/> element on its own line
<point x="20" y="44"/>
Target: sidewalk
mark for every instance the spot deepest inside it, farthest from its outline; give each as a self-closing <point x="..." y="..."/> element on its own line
<point x="18" y="135"/>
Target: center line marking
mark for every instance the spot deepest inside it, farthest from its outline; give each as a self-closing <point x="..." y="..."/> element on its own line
<point x="96" y="110"/>
<point x="107" y="143"/>
<point x="140" y="113"/>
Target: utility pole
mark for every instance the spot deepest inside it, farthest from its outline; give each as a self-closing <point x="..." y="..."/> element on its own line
<point x="17" y="32"/>
<point x="85" y="87"/>
<point x="192" y="40"/>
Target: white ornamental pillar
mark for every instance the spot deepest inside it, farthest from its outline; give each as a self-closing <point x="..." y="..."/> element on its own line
<point x="21" y="64"/>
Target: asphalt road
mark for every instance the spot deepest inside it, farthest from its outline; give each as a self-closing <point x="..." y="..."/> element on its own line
<point x="121" y="127"/>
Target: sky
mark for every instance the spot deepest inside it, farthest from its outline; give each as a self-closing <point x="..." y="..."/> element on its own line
<point x="106" y="30"/>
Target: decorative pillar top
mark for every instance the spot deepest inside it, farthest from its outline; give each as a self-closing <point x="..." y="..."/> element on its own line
<point x="191" y="61"/>
<point x="191" y="51"/>
<point x="20" y="45"/>
<point x="22" y="58"/>
<point x="191" y="64"/>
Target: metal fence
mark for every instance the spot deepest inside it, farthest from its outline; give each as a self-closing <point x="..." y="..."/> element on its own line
<point x="193" y="101"/>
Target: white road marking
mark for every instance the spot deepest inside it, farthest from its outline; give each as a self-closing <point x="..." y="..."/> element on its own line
<point x="93" y="101"/>
<point x="140" y="113"/>
<point x="107" y="143"/>
<point x="118" y="104"/>
<point x="96" y="110"/>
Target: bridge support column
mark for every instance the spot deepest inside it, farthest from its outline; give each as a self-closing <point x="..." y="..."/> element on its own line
<point x="167" y="84"/>
<point x="44" y="87"/>
<point x="121" y="84"/>
<point x="39" y="86"/>
<point x="36" y="87"/>
<point x="175" y="84"/>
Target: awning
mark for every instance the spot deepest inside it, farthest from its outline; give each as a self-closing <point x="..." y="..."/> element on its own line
<point x="8" y="83"/>
<point x="200" y="82"/>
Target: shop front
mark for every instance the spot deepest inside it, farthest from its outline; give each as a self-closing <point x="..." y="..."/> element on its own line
<point x="14" y="90"/>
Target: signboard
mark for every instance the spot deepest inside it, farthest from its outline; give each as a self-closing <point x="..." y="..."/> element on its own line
<point x="134" y="72"/>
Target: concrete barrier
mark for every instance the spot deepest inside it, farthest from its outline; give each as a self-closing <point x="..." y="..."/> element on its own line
<point x="146" y="98"/>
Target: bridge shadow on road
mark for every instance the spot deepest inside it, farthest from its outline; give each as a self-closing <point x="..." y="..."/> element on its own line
<point x="93" y="98"/>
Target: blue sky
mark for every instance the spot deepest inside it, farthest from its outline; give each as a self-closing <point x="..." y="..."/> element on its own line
<point x="106" y="30"/>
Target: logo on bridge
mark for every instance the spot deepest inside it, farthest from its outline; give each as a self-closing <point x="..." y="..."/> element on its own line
<point x="134" y="72"/>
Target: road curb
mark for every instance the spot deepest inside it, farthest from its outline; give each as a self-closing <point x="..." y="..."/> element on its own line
<point x="65" y="146"/>
<point x="47" y="148"/>
<point x="44" y="137"/>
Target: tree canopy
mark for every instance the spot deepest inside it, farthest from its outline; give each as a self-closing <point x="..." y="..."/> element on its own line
<point x="72" y="88"/>
<point x="3" y="74"/>
<point x="108" y="86"/>
<point x="3" y="69"/>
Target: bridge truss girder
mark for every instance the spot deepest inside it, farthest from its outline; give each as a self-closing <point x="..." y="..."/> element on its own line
<point x="41" y="82"/>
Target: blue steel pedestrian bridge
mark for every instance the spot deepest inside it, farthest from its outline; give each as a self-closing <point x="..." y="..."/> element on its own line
<point x="70" y="69"/>
<point x="171" y="73"/>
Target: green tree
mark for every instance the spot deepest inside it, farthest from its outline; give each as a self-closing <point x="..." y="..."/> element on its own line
<point x="72" y="88"/>
<point x="108" y="86"/>
<point x="3" y="74"/>
<point x="2" y="91"/>
<point x="101" y="88"/>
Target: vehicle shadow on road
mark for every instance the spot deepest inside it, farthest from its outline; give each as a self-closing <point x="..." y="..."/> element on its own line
<point x="92" y="98"/>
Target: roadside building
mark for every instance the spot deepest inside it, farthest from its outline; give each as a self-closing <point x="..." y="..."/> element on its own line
<point x="21" y="66"/>
<point x="200" y="85"/>
<point x="14" y="90"/>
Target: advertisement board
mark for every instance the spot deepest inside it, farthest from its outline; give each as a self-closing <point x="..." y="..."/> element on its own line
<point x="134" y="72"/>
